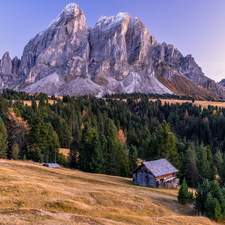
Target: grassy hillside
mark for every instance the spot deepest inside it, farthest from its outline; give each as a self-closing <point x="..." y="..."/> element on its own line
<point x="33" y="194"/>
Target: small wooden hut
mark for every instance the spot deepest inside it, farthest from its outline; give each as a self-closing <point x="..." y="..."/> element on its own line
<point x="157" y="173"/>
<point x="51" y="165"/>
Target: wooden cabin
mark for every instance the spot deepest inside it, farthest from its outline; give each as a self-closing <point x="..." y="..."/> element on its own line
<point x="157" y="173"/>
<point x="51" y="165"/>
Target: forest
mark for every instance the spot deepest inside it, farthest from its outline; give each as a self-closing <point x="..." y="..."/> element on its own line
<point x="107" y="136"/>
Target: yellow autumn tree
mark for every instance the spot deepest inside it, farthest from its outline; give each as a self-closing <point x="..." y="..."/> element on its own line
<point x="121" y="137"/>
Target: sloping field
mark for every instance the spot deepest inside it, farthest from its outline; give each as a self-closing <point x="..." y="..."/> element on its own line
<point x="64" y="151"/>
<point x="29" y="103"/>
<point x="33" y="194"/>
<point x="204" y="104"/>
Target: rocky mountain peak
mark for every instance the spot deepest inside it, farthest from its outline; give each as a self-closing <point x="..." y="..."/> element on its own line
<point x="118" y="55"/>
<point x="6" y="64"/>
<point x="107" y="23"/>
<point x="222" y="82"/>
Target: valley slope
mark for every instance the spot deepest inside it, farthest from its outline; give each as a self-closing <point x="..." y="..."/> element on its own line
<point x="31" y="194"/>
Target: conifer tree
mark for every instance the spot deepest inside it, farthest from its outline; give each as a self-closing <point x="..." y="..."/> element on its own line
<point x="132" y="137"/>
<point x="86" y="154"/>
<point x="217" y="215"/>
<point x="183" y="193"/>
<point x="198" y="204"/>
<point x="112" y="159"/>
<point x="3" y="140"/>
<point x="222" y="173"/>
<point x="132" y="157"/>
<point x="97" y="159"/>
<point x="209" y="205"/>
<point x="3" y="105"/>
<point x="110" y="130"/>
<point x="191" y="167"/>
<point x="74" y="153"/>
<point x="166" y="145"/>
<point x="203" y="165"/>
<point x="212" y="168"/>
<point x="38" y="132"/>
<point x="218" y="160"/>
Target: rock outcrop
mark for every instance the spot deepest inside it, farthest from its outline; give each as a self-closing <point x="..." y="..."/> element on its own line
<point x="118" y="55"/>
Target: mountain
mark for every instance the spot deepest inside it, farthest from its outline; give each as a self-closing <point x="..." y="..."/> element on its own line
<point x="117" y="55"/>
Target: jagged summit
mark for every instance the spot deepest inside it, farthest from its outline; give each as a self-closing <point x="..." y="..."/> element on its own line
<point x="111" y="21"/>
<point x="71" y="9"/>
<point x="117" y="55"/>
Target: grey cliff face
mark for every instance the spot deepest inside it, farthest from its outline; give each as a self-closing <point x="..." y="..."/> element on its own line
<point x="61" y="49"/>
<point x="6" y="64"/>
<point x="8" y="70"/>
<point x="118" y="55"/>
<point x="222" y="82"/>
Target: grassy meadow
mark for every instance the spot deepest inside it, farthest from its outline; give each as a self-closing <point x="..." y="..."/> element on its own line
<point x="33" y="194"/>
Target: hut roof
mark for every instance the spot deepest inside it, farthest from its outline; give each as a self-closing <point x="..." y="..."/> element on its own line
<point x="158" y="167"/>
<point x="51" y="165"/>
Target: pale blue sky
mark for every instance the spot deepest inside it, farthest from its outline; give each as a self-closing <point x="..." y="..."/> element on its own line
<point x="193" y="26"/>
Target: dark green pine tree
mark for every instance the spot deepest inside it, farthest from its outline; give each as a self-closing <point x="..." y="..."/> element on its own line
<point x="132" y="155"/>
<point x="110" y="130"/>
<point x="52" y="144"/>
<point x="74" y="153"/>
<point x="3" y="140"/>
<point x="132" y="138"/>
<point x="218" y="194"/>
<point x="198" y="204"/>
<point x="212" y="168"/>
<point x="66" y="137"/>
<point x="124" y="161"/>
<point x="166" y="145"/>
<point x="217" y="215"/>
<point x="183" y="195"/>
<point x="38" y="133"/>
<point x="97" y="157"/>
<point x="34" y="104"/>
<point x="222" y="173"/>
<point x="151" y="151"/>
<point x="218" y="160"/>
<point x="82" y="154"/>
<point x="3" y="105"/>
<point x="112" y="159"/>
<point x="86" y="153"/>
<point x="112" y="153"/>
<point x="191" y="167"/>
<point x="209" y="205"/>
<point x="203" y="165"/>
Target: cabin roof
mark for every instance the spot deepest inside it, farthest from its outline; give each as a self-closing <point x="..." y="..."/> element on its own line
<point x="158" y="167"/>
<point x="52" y="165"/>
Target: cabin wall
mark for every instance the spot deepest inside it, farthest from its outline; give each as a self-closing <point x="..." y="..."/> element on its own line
<point x="144" y="177"/>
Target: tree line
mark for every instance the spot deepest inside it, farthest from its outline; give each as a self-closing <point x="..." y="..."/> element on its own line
<point x="189" y="136"/>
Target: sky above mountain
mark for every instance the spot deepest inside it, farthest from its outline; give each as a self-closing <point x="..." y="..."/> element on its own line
<point x="193" y="27"/>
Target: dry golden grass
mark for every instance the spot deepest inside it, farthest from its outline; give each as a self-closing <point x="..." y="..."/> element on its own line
<point x="204" y="104"/>
<point x="37" y="101"/>
<point x="64" y="151"/>
<point x="33" y="194"/>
